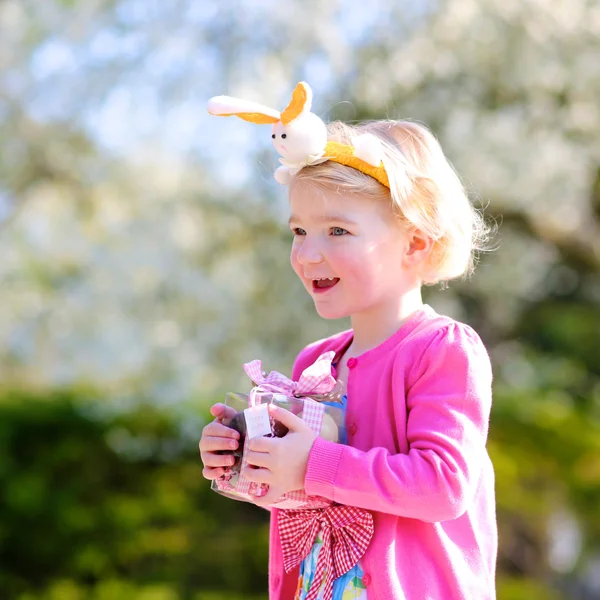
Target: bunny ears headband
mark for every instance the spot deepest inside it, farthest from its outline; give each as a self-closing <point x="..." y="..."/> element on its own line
<point x="300" y="136"/>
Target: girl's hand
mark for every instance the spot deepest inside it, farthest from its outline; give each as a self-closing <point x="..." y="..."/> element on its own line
<point x="216" y="437"/>
<point x="280" y="462"/>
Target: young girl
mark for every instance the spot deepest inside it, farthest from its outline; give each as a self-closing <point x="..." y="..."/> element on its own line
<point x="418" y="384"/>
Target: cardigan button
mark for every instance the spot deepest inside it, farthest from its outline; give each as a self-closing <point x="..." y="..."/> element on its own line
<point x="352" y="429"/>
<point x="351" y="363"/>
<point x="276" y="581"/>
<point x="366" y="579"/>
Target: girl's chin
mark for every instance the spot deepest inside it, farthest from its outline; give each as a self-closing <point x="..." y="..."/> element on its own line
<point x="329" y="312"/>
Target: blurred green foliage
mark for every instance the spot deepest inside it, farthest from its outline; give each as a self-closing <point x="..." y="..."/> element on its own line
<point x="115" y="508"/>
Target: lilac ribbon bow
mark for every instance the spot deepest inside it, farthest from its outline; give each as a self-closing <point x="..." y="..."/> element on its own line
<point x="316" y="379"/>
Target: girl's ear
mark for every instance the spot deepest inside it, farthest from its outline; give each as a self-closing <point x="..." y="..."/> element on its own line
<point x="418" y="247"/>
<point x="226" y="106"/>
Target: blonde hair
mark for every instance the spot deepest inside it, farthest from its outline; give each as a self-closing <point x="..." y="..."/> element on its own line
<point x="425" y="192"/>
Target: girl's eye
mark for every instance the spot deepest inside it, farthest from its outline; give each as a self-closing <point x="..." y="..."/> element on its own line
<point x="298" y="231"/>
<point x="338" y="231"/>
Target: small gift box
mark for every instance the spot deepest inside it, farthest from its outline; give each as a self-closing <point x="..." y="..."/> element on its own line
<point x="315" y="398"/>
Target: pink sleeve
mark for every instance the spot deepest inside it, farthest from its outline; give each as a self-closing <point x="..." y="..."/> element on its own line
<point x="448" y="406"/>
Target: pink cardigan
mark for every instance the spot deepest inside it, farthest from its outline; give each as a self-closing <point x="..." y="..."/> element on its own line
<point x="417" y="422"/>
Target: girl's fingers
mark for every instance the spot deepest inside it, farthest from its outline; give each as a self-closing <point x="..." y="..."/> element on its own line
<point x="215" y="429"/>
<point x="211" y="473"/>
<point x="259" y="459"/>
<point x="262" y="444"/>
<point x="218" y="443"/>
<point x="222" y="411"/>
<point x="269" y="498"/>
<point x="210" y="459"/>
<point x="216" y="437"/>
<point x="257" y="475"/>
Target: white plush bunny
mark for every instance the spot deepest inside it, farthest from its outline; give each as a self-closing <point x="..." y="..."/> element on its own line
<point x="298" y="135"/>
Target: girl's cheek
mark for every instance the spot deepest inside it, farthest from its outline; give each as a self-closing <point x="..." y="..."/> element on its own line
<point x="340" y="256"/>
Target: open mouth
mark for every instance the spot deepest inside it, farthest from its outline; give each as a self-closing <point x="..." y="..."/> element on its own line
<point x="324" y="284"/>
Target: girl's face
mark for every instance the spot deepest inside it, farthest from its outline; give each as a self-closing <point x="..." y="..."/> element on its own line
<point x="348" y="251"/>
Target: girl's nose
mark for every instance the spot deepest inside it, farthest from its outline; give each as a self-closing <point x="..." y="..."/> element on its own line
<point x="309" y="252"/>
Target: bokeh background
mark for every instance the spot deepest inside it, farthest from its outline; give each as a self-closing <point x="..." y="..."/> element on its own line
<point x="144" y="258"/>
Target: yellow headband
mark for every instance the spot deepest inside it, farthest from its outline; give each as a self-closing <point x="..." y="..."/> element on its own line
<point x="300" y="136"/>
<point x="347" y="155"/>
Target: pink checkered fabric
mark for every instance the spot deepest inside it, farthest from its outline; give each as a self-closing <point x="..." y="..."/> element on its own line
<point x="316" y="379"/>
<point x="312" y="414"/>
<point x="346" y="532"/>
